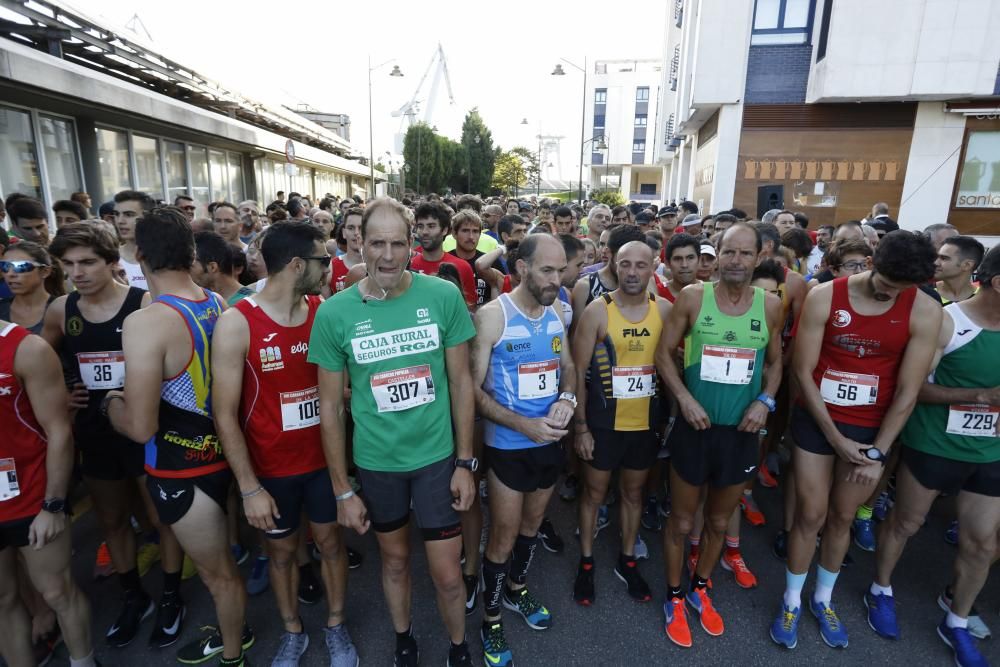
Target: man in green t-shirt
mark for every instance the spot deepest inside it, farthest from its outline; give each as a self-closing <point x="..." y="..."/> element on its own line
<point x="401" y="340"/>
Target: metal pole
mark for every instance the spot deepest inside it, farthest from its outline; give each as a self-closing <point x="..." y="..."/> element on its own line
<point x="418" y="160"/>
<point x="371" y="150"/>
<point x="583" y="122"/>
<point x="607" y="163"/>
<point x="538" y="175"/>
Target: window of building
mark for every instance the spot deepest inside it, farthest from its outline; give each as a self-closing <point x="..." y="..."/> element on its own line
<point x="217" y="173"/>
<point x="62" y="159"/>
<point x="782" y="21"/>
<point x="640" y="120"/>
<point x="601" y="96"/>
<point x="647" y="188"/>
<point x="18" y="160"/>
<point x="979" y="178"/>
<point x="198" y="157"/>
<point x="112" y="154"/>
<point x="599" y="120"/>
<point x="642" y="94"/>
<point x="235" y="178"/>
<point x="149" y="178"/>
<point x="638" y="146"/>
<point x="176" y="164"/>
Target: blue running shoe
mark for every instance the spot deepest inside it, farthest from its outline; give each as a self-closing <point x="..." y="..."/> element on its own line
<point x="260" y="576"/>
<point x="882" y="615"/>
<point x="882" y="506"/>
<point x="951" y="535"/>
<point x="962" y="645"/>
<point x="785" y="628"/>
<point x="864" y="535"/>
<point x="830" y="628"/>
<point x="495" y="649"/>
<point x="531" y="610"/>
<point x="641" y="550"/>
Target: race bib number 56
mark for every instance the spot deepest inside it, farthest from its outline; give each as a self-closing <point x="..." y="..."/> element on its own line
<point x="403" y="388"/>
<point x="974" y="419"/>
<point x="849" y="389"/>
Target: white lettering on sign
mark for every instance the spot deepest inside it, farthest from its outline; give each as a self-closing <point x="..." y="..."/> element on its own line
<point x="849" y="389"/>
<point x="393" y="344"/>
<point x="537" y="379"/>
<point x="102" y="370"/>
<point x="299" y="409"/>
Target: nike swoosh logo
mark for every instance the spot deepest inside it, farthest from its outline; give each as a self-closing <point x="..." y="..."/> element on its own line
<point x="172" y="630"/>
<point x="209" y="650"/>
<point x="118" y="330"/>
<point x="113" y="629"/>
<point x="495" y="661"/>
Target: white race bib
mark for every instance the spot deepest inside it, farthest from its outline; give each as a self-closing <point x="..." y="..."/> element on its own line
<point x="9" y="487"/>
<point x="299" y="409"/>
<point x="973" y="419"/>
<point x="848" y="389"/>
<point x="403" y="388"/>
<point x="727" y="365"/>
<point x="102" y="370"/>
<point x="537" y="379"/>
<point x="633" y="381"/>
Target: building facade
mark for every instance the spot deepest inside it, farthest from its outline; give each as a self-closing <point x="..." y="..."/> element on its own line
<point x="829" y="106"/>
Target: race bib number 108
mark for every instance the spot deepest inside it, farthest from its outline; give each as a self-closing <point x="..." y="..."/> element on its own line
<point x="299" y="409"/>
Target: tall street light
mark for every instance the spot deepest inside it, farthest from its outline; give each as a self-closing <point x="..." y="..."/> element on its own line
<point x="601" y="145"/>
<point x="558" y="71"/>
<point x="371" y="150"/>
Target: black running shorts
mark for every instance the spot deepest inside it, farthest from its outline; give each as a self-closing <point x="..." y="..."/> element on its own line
<point x="390" y="496"/>
<point x="633" y="450"/>
<point x="720" y="455"/>
<point x="529" y="469"/>
<point x="172" y="496"/>
<point x="312" y="491"/>
<point x="951" y="476"/>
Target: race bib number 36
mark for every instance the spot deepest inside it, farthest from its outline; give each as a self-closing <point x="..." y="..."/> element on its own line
<point x="633" y="381"/>
<point x="848" y="389"/>
<point x="9" y="487"/>
<point x="299" y="409"/>
<point x="102" y="370"/>
<point x="403" y="388"/>
<point x="973" y="419"/>
<point x="727" y="365"/>
<point x="537" y="379"/>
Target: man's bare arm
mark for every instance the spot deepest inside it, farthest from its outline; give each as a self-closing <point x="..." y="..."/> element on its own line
<point x="230" y="343"/>
<point x="144" y="341"/>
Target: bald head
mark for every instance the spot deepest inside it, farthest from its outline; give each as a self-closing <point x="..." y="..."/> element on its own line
<point x="634" y="262"/>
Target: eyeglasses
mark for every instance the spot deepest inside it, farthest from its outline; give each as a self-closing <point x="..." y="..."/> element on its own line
<point x="853" y="266"/>
<point x="324" y="260"/>
<point x="18" y="266"/>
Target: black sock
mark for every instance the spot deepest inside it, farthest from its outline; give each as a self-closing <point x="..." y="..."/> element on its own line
<point x="524" y="551"/>
<point x="698" y="582"/>
<point x="404" y="639"/>
<point x="130" y="581"/>
<point x="458" y="650"/>
<point x="625" y="560"/>
<point x="586" y="560"/>
<point x="232" y="661"/>
<point x="675" y="592"/>
<point x="494" y="576"/>
<point x="171" y="583"/>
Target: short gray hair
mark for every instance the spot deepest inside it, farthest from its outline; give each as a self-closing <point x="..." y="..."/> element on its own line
<point x="770" y="215"/>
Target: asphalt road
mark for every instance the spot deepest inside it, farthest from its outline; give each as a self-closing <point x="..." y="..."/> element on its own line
<point x="616" y="631"/>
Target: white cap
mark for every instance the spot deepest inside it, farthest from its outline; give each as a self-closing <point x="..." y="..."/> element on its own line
<point x="708" y="249"/>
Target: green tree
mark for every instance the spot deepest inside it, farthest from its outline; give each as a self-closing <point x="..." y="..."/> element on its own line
<point x="610" y="197"/>
<point x="509" y="173"/>
<point x="529" y="161"/>
<point x="421" y="154"/>
<point x="480" y="155"/>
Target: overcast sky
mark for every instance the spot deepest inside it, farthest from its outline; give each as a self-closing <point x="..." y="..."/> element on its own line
<point x="500" y="56"/>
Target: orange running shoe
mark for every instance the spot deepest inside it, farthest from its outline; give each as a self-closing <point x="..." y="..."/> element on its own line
<point x="676" y="625"/>
<point x="711" y="622"/>
<point x="750" y="511"/>
<point x="733" y="561"/>
<point x="103" y="567"/>
<point x="765" y="477"/>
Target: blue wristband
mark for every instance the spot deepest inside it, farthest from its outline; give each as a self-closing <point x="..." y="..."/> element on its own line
<point x="767" y="401"/>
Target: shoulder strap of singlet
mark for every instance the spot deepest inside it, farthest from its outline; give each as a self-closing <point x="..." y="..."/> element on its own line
<point x="72" y="304"/>
<point x="133" y="300"/>
<point x="961" y="323"/>
<point x="607" y="297"/>
<point x="7" y="329"/>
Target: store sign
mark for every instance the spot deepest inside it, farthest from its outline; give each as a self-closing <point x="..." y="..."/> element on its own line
<point x="289" y="151"/>
<point x="979" y="178"/>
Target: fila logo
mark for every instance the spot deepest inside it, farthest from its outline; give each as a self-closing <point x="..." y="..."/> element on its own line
<point x="267" y="338"/>
<point x="635" y="332"/>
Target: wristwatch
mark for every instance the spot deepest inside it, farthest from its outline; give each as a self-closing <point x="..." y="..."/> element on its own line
<point x="472" y="465"/>
<point x="566" y="396"/>
<point x="54" y="505"/>
<point x="875" y="454"/>
<point x="768" y="401"/>
<point x="106" y="403"/>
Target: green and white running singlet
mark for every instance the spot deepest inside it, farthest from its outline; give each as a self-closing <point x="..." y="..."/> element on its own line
<point x="960" y="432"/>
<point x="394" y="352"/>
<point x="724" y="357"/>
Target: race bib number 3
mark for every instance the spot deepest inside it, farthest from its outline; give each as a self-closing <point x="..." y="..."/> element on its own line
<point x="633" y="381"/>
<point x="299" y="409"/>
<point x="403" y="388"/>
<point x="848" y="389"/>
<point x="727" y="365"/>
<point x="538" y="379"/>
<point x="9" y="487"/>
<point x="973" y="419"/>
<point x="102" y="370"/>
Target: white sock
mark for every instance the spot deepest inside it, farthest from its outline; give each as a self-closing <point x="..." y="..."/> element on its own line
<point x="793" y="598"/>
<point x="823" y="594"/>
<point x="83" y="662"/>
<point x="953" y="621"/>
<point x="880" y="590"/>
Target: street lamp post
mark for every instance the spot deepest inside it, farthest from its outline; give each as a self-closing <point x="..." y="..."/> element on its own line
<point x="371" y="150"/>
<point x="558" y="71"/>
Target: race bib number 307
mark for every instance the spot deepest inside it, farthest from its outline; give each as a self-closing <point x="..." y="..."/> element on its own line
<point x="299" y="409"/>
<point x="403" y="388"/>
<point x="102" y="370"/>
<point x="727" y="365"/>
<point x="974" y="419"/>
<point x="848" y="389"/>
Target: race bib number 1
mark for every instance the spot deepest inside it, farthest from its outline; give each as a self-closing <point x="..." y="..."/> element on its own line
<point x="102" y="370"/>
<point x="537" y="379"/>
<point x="727" y="365"/>
<point x="633" y="381"/>
<point x="403" y="388"/>
<point x="9" y="487"/>
<point x="299" y="409"/>
<point x="848" y="389"/>
<point x="974" y="419"/>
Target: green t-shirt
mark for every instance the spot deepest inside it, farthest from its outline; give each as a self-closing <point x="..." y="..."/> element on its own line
<point x="394" y="353"/>
<point x="240" y="294"/>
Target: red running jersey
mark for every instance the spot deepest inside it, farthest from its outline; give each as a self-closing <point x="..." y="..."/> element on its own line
<point x="465" y="274"/>
<point x="338" y="275"/>
<point x="662" y="289"/>
<point x="859" y="361"/>
<point x="279" y="407"/>
<point x="23" y="445"/>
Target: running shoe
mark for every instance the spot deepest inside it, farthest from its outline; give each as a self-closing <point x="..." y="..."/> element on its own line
<point x="864" y="534"/>
<point x="168" y="622"/>
<point x="408" y="655"/>
<point x="785" y="628"/>
<point x="240" y="553"/>
<point x="611" y="497"/>
<point x="471" y="593"/>
<point x="733" y="561"/>
<point x="711" y="621"/>
<point x="103" y="567"/>
<point x="650" y="517"/>
<point x="640" y="548"/>
<point x="830" y="628"/>
<point x="628" y="572"/>
<point x="291" y="646"/>
<point x="531" y="610"/>
<point x="601" y="523"/>
<point x="137" y="606"/>
<point x="568" y="489"/>
<point x="664" y="507"/>
<point x="583" y="587"/>
<point x="676" y="623"/>
<point x="342" y="651"/>
<point x="977" y="627"/>
<point x="765" y="478"/>
<point x="458" y="656"/>
<point x="495" y="649"/>
<point x="260" y="576"/>
<point x="780" y="546"/>
<point x="951" y="535"/>
<point x="882" y="615"/>
<point x="146" y="556"/>
<point x="210" y="645"/>
<point x="189" y="570"/>
<point x="550" y="538"/>
<point x="45" y="647"/>
<point x="963" y="645"/>
<point x="883" y="504"/>
<point x="354" y="559"/>
<point x="310" y="590"/>
<point x="751" y="512"/>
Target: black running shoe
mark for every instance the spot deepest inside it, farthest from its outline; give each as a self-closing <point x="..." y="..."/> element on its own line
<point x="169" y="621"/>
<point x="550" y="539"/>
<point x="310" y="590"/>
<point x="583" y="588"/>
<point x="628" y="572"/>
<point x="354" y="559"/>
<point x="209" y="645"/>
<point x="407" y="655"/>
<point x="780" y="546"/>
<point x="136" y="607"/>
<point x="458" y="656"/>
<point x="471" y="593"/>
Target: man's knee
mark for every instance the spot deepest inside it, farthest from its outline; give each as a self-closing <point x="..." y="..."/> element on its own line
<point x="328" y="543"/>
<point x="717" y="523"/>
<point x="680" y="524"/>
<point x="903" y="525"/>
<point x="810" y="517"/>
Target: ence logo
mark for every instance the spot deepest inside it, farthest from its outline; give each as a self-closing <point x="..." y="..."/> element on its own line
<point x="74" y="325"/>
<point x="557" y="344"/>
<point x="518" y="347"/>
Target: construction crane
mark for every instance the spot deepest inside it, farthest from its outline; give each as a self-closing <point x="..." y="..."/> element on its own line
<point x="409" y="111"/>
